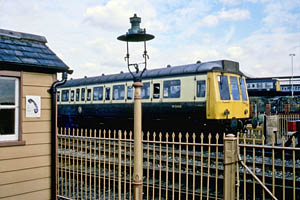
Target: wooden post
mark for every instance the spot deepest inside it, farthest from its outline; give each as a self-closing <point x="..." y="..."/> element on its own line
<point x="138" y="145"/>
<point x="230" y="159"/>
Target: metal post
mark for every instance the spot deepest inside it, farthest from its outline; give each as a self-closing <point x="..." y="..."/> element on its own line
<point x="230" y="159"/>
<point x="292" y="86"/>
<point x="138" y="146"/>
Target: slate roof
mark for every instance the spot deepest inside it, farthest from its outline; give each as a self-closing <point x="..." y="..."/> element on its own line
<point x="197" y="68"/>
<point x="23" y="51"/>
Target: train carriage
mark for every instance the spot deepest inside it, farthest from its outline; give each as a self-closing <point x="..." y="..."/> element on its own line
<point x="188" y="97"/>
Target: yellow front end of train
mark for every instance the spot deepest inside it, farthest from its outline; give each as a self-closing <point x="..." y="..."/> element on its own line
<point x="227" y="96"/>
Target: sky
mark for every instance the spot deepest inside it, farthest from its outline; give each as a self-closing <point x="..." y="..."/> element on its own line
<point x="259" y="34"/>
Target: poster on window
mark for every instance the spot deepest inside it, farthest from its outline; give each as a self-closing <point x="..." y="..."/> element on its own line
<point x="33" y="106"/>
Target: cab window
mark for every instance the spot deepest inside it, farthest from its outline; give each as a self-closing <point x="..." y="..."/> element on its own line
<point x="65" y="95"/>
<point x="223" y="87"/>
<point x="129" y="92"/>
<point x="145" y="91"/>
<point x="107" y="93"/>
<point x="98" y="93"/>
<point x="201" y="86"/>
<point x="235" y="88"/>
<point x="243" y="89"/>
<point x="118" y="92"/>
<point x="172" y="89"/>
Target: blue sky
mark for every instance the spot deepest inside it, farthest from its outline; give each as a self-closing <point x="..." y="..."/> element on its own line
<point x="259" y="34"/>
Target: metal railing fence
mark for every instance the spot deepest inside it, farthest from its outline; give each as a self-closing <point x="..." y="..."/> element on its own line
<point x="276" y="167"/>
<point x="283" y="120"/>
<point x="98" y="164"/>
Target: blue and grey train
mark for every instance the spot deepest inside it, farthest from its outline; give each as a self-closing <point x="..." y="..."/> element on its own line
<point x="188" y="97"/>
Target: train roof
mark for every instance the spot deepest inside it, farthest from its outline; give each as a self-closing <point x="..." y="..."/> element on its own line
<point x="197" y="68"/>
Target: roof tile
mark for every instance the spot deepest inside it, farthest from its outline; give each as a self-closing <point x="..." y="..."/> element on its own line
<point x="26" y="49"/>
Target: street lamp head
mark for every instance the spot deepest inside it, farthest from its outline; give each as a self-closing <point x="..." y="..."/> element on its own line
<point x="135" y="33"/>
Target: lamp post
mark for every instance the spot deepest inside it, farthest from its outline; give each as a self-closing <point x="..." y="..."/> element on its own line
<point x="292" y="86"/>
<point x="136" y="34"/>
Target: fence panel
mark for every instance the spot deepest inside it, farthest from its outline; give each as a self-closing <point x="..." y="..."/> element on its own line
<point x="98" y="164"/>
<point x="277" y="168"/>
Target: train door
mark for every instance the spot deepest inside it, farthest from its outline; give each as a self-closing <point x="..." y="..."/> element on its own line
<point x="200" y="88"/>
<point x="156" y="91"/>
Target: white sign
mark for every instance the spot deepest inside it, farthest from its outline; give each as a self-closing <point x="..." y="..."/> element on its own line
<point x="33" y="106"/>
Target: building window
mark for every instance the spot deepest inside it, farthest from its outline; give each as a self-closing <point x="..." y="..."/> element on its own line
<point x="9" y="109"/>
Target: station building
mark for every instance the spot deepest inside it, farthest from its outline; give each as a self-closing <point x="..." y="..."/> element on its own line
<point x="28" y="69"/>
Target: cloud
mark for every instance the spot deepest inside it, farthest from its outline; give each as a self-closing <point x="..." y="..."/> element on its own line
<point x="282" y="15"/>
<point x="234" y="52"/>
<point x="115" y="14"/>
<point x="235" y="2"/>
<point x="234" y="14"/>
<point x="224" y="15"/>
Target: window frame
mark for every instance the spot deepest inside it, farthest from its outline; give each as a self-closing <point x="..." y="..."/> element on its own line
<point x="224" y="93"/>
<point x="18" y="138"/>
<point x="168" y="84"/>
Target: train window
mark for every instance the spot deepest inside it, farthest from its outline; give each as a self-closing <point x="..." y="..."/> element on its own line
<point x="82" y="94"/>
<point x="235" y="88"/>
<point x="107" y="93"/>
<point x="77" y="94"/>
<point x="129" y="92"/>
<point x="223" y="87"/>
<point x="243" y="89"/>
<point x="98" y="93"/>
<point x="259" y="85"/>
<point x="72" y="95"/>
<point x="172" y="89"/>
<point x="58" y="96"/>
<point x="89" y="95"/>
<point x="145" y="91"/>
<point x="118" y="92"/>
<point x="201" y="86"/>
<point x="65" y="96"/>
<point x="156" y="90"/>
<point x="269" y="85"/>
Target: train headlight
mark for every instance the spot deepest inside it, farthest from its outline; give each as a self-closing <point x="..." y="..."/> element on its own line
<point x="246" y="111"/>
<point x="226" y="112"/>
